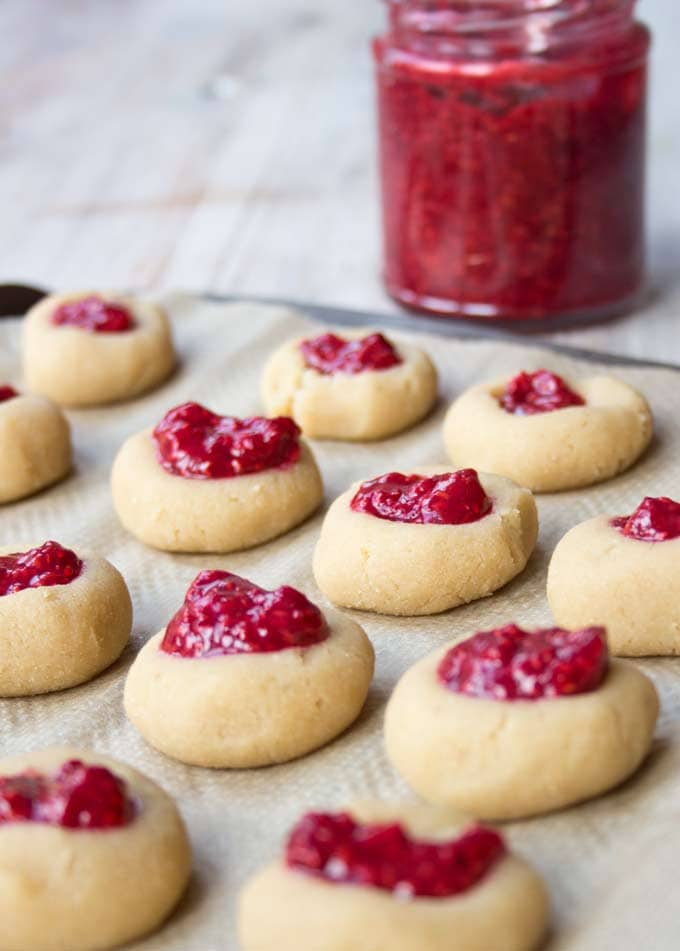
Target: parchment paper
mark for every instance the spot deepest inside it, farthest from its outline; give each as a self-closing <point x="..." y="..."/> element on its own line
<point x="611" y="864"/>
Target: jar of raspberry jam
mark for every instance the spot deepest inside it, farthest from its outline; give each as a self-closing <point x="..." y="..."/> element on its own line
<point x="512" y="149"/>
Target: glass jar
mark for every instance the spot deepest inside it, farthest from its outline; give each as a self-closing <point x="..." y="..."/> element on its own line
<point x="512" y="149"/>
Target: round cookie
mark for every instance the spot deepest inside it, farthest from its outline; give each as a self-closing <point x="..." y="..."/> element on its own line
<point x="204" y="514"/>
<point x="501" y="756"/>
<point x="80" y="362"/>
<point x="247" y="699"/>
<point x="35" y="444"/>
<point x="64" y="617"/>
<point x="80" y="881"/>
<point x="550" y="449"/>
<point x="605" y="572"/>
<point x="507" y="907"/>
<point x="408" y="568"/>
<point x="359" y="402"/>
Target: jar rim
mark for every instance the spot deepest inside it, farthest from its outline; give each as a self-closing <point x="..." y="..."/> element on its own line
<point x="466" y="15"/>
<point x="533" y="25"/>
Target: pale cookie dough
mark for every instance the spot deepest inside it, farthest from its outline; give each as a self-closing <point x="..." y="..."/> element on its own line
<point x="597" y="575"/>
<point x="61" y="635"/>
<point x="547" y="452"/>
<point x="90" y="889"/>
<point x="511" y="759"/>
<point x="289" y="910"/>
<point x="238" y="711"/>
<point x="35" y="446"/>
<point x="174" y="513"/>
<point x="366" y="406"/>
<point x="373" y="564"/>
<point x="77" y="367"/>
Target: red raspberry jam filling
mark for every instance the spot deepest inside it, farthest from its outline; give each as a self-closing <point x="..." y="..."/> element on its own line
<point x="7" y="392"/>
<point x="337" y="848"/>
<point x="452" y="498"/>
<point x="654" y="520"/>
<point x="41" y="567"/>
<point x="194" y="443"/>
<point x="94" y="314"/>
<point x="224" y="614"/>
<point x="512" y="664"/>
<point x="539" y="392"/>
<point x="331" y="354"/>
<point x="78" y="796"/>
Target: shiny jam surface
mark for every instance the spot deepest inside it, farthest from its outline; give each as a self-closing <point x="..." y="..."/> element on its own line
<point x="195" y="443"/>
<point x="452" y="498"/>
<point x="540" y="392"/>
<point x="331" y="354"/>
<point x="654" y="520"/>
<point x="7" y="392"/>
<point x="512" y="664"/>
<point x="77" y="796"/>
<point x="42" y="567"/>
<point x="94" y="314"/>
<point x="512" y="156"/>
<point x="225" y="614"/>
<point x="341" y="850"/>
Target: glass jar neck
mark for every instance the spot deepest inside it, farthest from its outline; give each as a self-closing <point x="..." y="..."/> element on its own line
<point x="487" y="28"/>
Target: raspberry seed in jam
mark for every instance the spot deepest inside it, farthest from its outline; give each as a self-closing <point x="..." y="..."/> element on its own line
<point x="77" y="796"/>
<point x="94" y="314"/>
<point x="195" y="443"/>
<point x="452" y="498"/>
<point x="332" y="354"/>
<point x="42" y="567"/>
<point x="225" y="614"/>
<point x="541" y="392"/>
<point x="7" y="392"/>
<point x="339" y="849"/>
<point x="513" y="664"/>
<point x="654" y="520"/>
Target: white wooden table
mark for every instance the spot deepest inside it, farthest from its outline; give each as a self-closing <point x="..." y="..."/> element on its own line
<point x="216" y="145"/>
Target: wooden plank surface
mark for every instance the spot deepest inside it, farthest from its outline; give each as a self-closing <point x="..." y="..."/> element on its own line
<point x="229" y="147"/>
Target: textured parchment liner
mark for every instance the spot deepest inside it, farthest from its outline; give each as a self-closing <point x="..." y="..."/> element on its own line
<point x="611" y="864"/>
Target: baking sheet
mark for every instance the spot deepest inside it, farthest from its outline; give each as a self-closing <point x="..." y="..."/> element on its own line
<point x="610" y="864"/>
